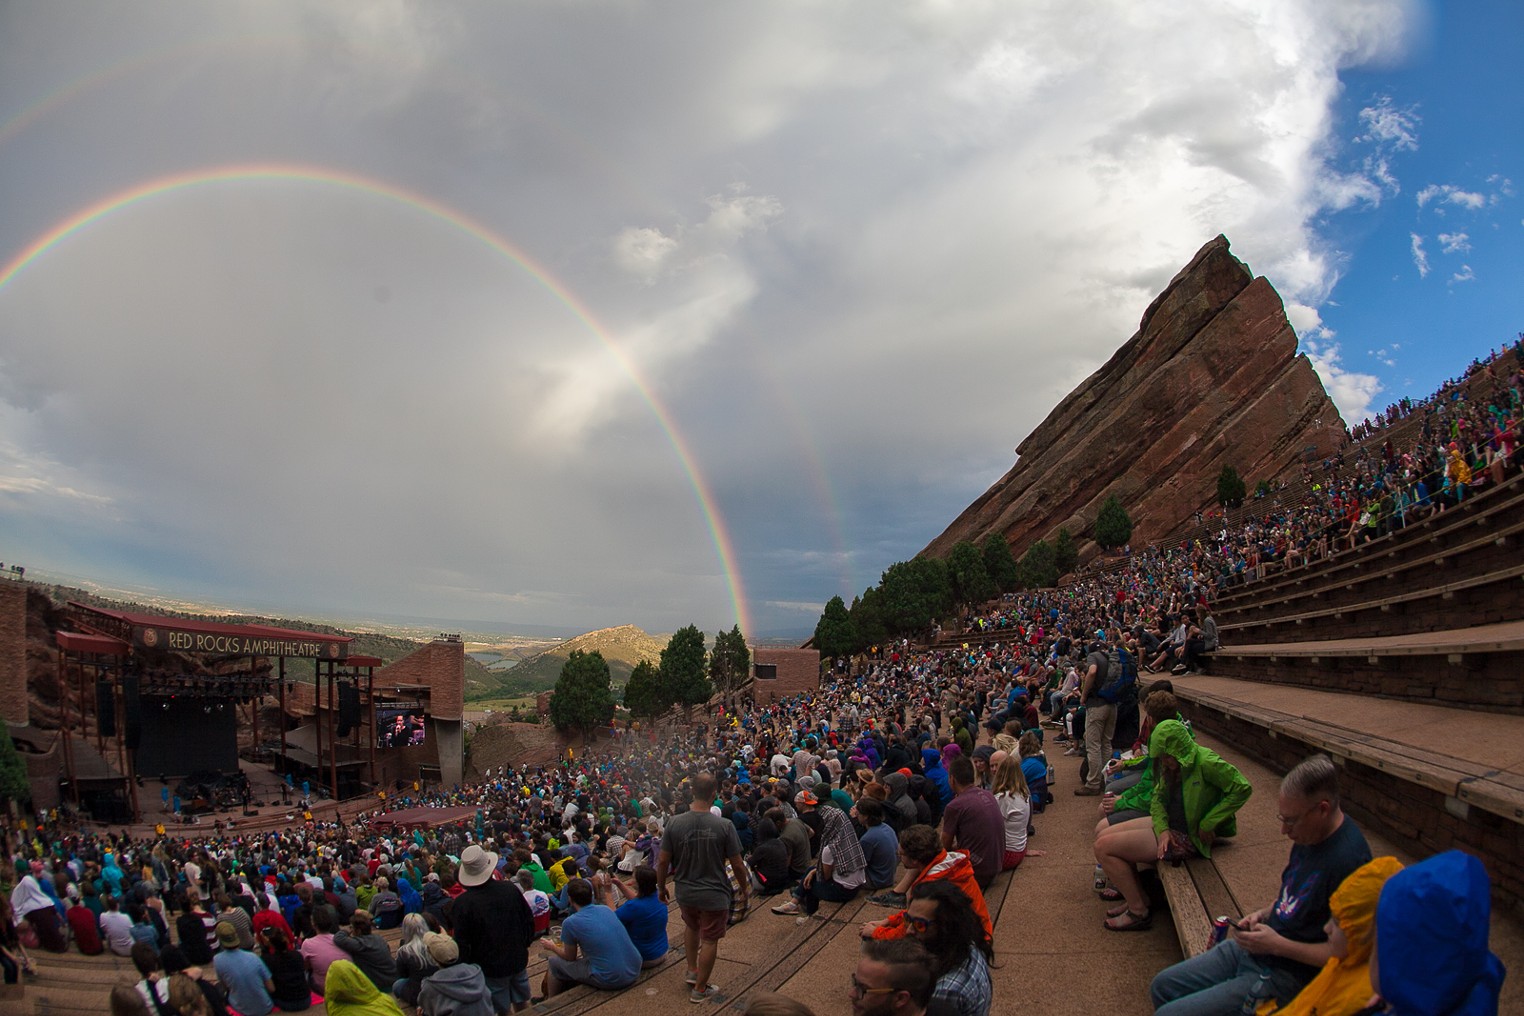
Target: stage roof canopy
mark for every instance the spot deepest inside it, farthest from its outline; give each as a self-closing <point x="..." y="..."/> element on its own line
<point x="155" y="631"/>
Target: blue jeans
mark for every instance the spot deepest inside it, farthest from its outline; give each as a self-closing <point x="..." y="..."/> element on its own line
<point x="1217" y="982"/>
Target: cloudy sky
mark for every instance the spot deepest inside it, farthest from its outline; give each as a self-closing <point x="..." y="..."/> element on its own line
<point x="584" y="313"/>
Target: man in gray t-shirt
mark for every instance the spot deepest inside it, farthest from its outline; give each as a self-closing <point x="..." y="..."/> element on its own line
<point x="694" y="850"/>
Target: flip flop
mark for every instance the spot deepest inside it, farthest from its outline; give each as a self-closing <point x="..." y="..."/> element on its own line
<point x="1116" y="911"/>
<point x="1135" y="922"/>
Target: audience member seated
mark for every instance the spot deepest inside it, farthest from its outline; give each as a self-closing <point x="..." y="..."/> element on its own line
<point x="839" y="873"/>
<point x="924" y="860"/>
<point x="1343" y="986"/>
<point x="1431" y="956"/>
<point x="1278" y="949"/>
<point x="594" y="948"/>
<point x="941" y="918"/>
<point x="453" y="988"/>
<point x="1196" y="796"/>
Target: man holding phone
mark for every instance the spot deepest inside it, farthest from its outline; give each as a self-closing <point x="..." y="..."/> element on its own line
<point x="1276" y="951"/>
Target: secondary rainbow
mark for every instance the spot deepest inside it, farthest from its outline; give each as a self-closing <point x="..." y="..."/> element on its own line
<point x="330" y="177"/>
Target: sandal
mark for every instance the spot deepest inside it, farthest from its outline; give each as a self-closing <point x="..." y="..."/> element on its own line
<point x="1116" y="911"/>
<point x="1133" y="922"/>
<point x="1111" y="894"/>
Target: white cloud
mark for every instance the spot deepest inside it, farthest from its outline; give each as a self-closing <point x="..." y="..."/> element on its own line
<point x="1464" y="275"/>
<point x="1451" y="194"/>
<point x="1351" y="391"/>
<point x="1454" y="243"/>
<point x="1420" y="258"/>
<point x="1388" y="125"/>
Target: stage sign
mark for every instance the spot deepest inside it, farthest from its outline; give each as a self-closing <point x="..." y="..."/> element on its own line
<point x="186" y="641"/>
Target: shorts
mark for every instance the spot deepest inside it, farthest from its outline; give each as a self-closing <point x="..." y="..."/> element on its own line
<point x="1012" y="859"/>
<point x="710" y="924"/>
<point x="508" y="991"/>
<point x="1125" y="815"/>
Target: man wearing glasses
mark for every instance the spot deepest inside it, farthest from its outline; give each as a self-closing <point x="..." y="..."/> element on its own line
<point x="1276" y="951"/>
<point x="893" y="978"/>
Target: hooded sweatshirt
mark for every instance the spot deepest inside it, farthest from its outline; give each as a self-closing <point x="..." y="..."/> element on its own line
<point x="350" y="993"/>
<point x="457" y="990"/>
<point x="954" y="867"/>
<point x="1431" y="940"/>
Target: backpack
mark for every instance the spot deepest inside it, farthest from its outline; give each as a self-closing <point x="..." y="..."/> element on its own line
<point x="1121" y="674"/>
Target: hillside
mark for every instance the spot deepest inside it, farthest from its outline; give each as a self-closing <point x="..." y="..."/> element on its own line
<point x="622" y="647"/>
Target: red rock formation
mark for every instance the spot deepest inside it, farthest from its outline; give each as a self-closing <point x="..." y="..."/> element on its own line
<point x="1212" y="378"/>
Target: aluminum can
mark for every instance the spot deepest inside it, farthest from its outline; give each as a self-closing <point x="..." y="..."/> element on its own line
<point x="1220" y="927"/>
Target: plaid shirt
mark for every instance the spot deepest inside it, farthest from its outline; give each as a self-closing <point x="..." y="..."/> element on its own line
<point x="965" y="989"/>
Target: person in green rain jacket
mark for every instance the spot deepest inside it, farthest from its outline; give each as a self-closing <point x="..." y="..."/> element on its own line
<point x="1196" y="797"/>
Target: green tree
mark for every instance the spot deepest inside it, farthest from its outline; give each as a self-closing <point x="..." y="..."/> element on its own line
<point x="835" y="634"/>
<point x="643" y="693"/>
<point x="683" y="677"/>
<point x="730" y="660"/>
<point x="970" y="579"/>
<point x="1230" y="488"/>
<point x="1065" y="553"/>
<point x="1000" y="564"/>
<point x="867" y="615"/>
<point x="916" y="592"/>
<point x="1113" y="526"/>
<point x="14" y="786"/>
<point x="1039" y="566"/>
<point x="584" y="698"/>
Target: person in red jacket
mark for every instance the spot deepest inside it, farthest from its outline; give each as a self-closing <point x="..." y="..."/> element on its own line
<point x="921" y="851"/>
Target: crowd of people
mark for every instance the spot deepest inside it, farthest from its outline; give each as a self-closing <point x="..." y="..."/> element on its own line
<point x="913" y="776"/>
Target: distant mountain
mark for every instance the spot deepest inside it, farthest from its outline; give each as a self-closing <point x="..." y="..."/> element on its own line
<point x="623" y="647"/>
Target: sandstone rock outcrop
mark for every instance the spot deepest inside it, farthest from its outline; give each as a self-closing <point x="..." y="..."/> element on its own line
<point x="1211" y="378"/>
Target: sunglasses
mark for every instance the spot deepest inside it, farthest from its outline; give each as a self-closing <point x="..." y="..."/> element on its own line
<point x="919" y="923"/>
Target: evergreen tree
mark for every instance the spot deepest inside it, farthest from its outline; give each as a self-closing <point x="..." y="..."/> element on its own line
<point x="971" y="580"/>
<point x="584" y="698"/>
<point x="643" y="694"/>
<point x="1113" y="526"/>
<point x="1065" y="553"/>
<point x="683" y="676"/>
<point x="14" y="786"/>
<point x="834" y="632"/>
<point x="915" y="593"/>
<point x="1039" y="567"/>
<point x="730" y="661"/>
<point x="1230" y="488"/>
<point x="1000" y="563"/>
<point x="867" y="616"/>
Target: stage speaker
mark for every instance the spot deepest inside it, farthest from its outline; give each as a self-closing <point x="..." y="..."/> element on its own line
<point x="349" y="708"/>
<point x="105" y="708"/>
<point x="132" y="712"/>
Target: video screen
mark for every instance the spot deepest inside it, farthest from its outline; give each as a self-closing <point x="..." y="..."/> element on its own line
<point x="399" y="728"/>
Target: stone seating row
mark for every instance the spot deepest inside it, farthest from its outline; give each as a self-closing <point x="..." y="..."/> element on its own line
<point x="1480" y="667"/>
<point x="1496" y="507"/>
<point x="1433" y="599"/>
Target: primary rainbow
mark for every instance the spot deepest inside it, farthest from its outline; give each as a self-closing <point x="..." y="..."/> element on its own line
<point x="321" y="175"/>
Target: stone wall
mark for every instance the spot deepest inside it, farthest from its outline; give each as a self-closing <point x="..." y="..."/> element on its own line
<point x="14" y="706"/>
<point x="797" y="670"/>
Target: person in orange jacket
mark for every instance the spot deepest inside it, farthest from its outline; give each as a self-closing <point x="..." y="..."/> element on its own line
<point x="921" y="850"/>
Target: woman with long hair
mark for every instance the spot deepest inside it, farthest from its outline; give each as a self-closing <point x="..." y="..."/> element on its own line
<point x="1015" y="800"/>
<point x="413" y="962"/>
